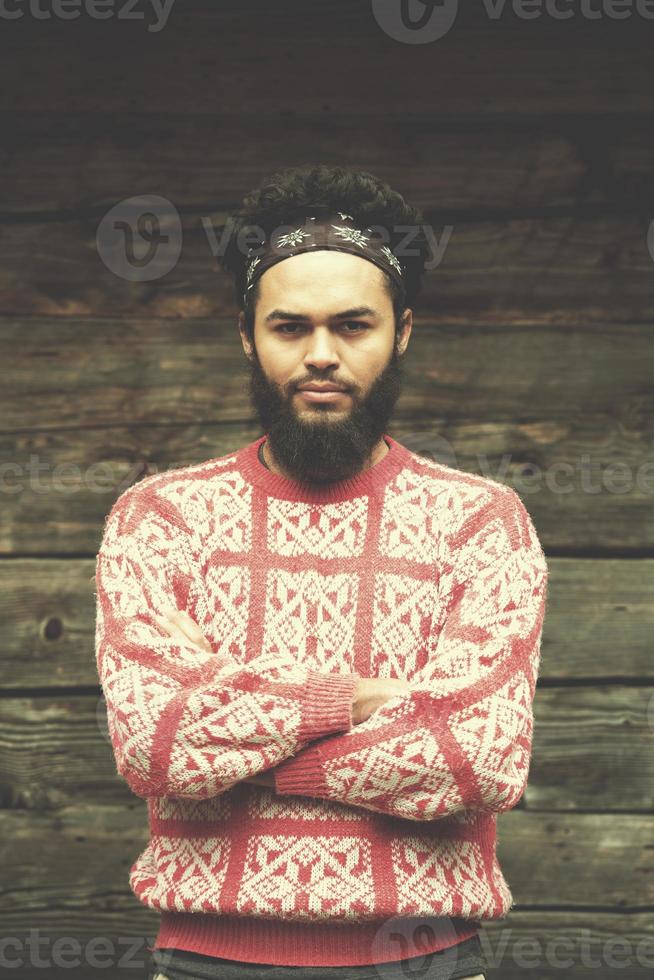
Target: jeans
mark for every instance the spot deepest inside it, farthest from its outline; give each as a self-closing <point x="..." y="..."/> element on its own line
<point x="465" y="960"/>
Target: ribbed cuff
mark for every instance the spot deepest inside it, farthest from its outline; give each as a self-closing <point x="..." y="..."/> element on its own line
<point x="301" y="775"/>
<point x="327" y="704"/>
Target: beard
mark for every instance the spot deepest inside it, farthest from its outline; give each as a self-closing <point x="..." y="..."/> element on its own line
<point x="324" y="444"/>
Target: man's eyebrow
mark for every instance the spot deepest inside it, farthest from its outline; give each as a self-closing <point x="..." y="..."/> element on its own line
<point x="343" y="315"/>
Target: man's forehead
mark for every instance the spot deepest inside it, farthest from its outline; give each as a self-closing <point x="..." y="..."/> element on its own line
<point x="326" y="282"/>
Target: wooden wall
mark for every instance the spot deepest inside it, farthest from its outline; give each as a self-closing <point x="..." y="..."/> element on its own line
<point x="531" y="359"/>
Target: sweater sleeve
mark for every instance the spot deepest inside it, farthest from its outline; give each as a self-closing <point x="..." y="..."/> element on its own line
<point x="462" y="737"/>
<point x="185" y="722"/>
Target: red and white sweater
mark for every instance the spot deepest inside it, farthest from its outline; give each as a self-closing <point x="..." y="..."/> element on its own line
<point x="410" y="569"/>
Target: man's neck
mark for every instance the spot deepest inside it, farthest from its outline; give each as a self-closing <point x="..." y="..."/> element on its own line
<point x="269" y="461"/>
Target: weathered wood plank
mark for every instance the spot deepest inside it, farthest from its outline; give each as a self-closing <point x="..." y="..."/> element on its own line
<point x="86" y="162"/>
<point x="598" y="619"/>
<point x="483" y="65"/>
<point x="592" y="748"/>
<point x="566" y="269"/>
<point x="598" y="625"/>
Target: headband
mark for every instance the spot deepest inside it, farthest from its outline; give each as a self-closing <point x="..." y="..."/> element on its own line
<point x="337" y="233"/>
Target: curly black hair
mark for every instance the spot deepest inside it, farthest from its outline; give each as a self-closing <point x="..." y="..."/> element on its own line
<point x="288" y="194"/>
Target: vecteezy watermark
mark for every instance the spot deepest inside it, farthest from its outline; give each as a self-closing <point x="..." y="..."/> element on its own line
<point x="506" y="947"/>
<point x="140" y="238"/>
<point x="582" y="475"/>
<point x="562" y="952"/>
<point x="42" y="477"/>
<point x="249" y="237"/>
<point x="158" y="10"/>
<point x="424" y="21"/>
<point x="42" y="952"/>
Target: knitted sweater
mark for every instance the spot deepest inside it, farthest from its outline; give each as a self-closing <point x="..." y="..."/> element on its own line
<point x="409" y="569"/>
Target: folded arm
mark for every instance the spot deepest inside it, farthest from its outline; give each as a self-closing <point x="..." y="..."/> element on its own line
<point x="462" y="738"/>
<point x="187" y="722"/>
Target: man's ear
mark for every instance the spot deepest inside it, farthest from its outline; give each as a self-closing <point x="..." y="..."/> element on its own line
<point x="405" y="332"/>
<point x="245" y="340"/>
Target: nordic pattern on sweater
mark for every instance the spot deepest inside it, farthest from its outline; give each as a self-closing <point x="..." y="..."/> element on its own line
<point x="433" y="575"/>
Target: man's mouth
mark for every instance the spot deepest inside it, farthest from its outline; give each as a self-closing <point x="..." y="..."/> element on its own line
<point x="322" y="394"/>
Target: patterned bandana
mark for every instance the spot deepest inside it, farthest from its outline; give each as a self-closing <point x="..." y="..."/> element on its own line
<point x="337" y="233"/>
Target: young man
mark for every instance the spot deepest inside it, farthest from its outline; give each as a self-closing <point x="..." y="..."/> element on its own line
<point x="319" y="652"/>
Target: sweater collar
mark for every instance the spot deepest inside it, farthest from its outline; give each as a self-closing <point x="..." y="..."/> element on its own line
<point x="368" y="481"/>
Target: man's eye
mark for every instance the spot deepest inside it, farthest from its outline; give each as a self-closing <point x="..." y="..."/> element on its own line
<point x="285" y="327"/>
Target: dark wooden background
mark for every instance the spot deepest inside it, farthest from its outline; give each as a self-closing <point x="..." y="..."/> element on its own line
<point x="532" y="348"/>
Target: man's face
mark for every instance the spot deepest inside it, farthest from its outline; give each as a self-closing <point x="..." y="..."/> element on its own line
<point x="325" y="317"/>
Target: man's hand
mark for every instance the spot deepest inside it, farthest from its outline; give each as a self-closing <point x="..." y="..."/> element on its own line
<point x="181" y="626"/>
<point x="372" y="692"/>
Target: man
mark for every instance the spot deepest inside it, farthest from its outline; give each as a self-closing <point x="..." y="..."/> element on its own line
<point x="319" y="652"/>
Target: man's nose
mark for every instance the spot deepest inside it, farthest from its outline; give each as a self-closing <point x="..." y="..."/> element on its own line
<point x="322" y="350"/>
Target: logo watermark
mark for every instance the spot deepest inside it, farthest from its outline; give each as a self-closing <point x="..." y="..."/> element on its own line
<point x="415" y="21"/>
<point x="426" y="21"/>
<point x="140" y="238"/>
